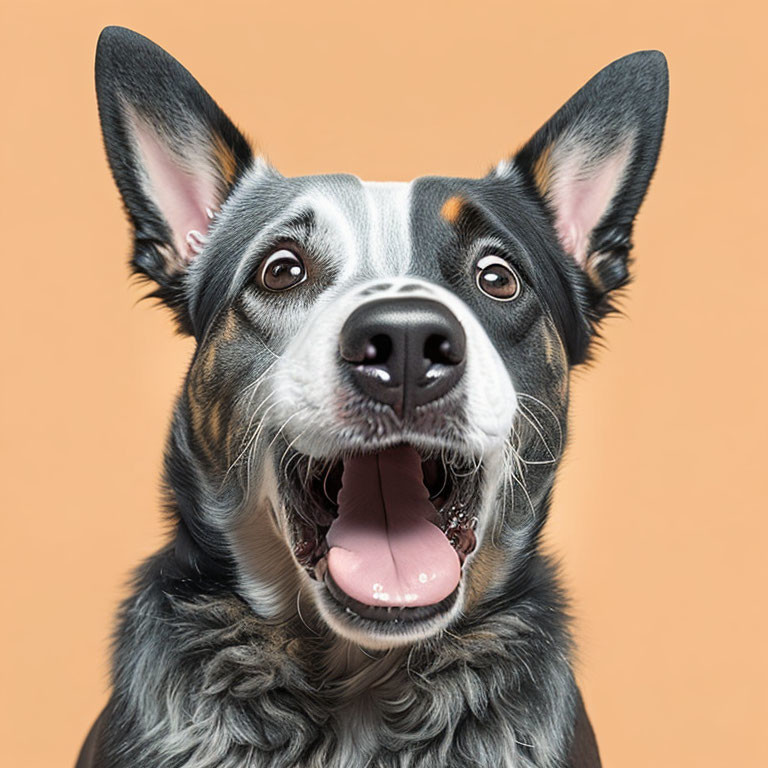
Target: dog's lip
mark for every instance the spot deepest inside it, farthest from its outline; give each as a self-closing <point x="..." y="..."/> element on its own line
<point x="385" y="614"/>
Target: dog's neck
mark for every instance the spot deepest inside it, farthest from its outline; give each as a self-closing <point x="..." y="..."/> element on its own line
<point x="349" y="671"/>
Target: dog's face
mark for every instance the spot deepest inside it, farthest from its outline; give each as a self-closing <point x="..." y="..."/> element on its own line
<point x="379" y="339"/>
<point x="378" y="397"/>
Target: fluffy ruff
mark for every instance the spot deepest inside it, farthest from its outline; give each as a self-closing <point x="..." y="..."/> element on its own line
<point x="200" y="681"/>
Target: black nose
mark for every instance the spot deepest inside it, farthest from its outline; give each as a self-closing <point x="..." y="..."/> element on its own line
<point x="403" y="352"/>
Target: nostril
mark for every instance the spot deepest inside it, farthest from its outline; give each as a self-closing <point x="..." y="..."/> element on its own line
<point x="378" y="350"/>
<point x="439" y="350"/>
<point x="365" y="350"/>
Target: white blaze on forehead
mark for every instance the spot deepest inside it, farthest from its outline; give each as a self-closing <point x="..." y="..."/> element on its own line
<point x="389" y="226"/>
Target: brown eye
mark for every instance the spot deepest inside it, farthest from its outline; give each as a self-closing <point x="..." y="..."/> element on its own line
<point x="496" y="278"/>
<point x="281" y="271"/>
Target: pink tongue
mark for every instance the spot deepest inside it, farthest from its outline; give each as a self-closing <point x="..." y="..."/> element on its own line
<point x="383" y="548"/>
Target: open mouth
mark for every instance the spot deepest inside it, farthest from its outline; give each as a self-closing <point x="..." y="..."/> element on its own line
<point x="387" y="533"/>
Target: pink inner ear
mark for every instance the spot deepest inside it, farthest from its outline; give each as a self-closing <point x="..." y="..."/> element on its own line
<point x="185" y="198"/>
<point x="581" y="193"/>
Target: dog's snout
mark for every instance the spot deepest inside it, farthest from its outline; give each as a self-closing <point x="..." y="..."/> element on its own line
<point x="403" y="352"/>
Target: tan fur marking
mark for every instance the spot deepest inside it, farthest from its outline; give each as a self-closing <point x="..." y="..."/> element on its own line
<point x="225" y="160"/>
<point x="209" y="363"/>
<point x="542" y="171"/>
<point x="549" y="348"/>
<point x="230" y="326"/>
<point x="452" y="209"/>
<point x="215" y="422"/>
<point x="198" y="411"/>
<point x="594" y="260"/>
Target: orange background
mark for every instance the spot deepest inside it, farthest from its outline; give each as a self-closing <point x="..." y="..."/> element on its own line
<point x="660" y="513"/>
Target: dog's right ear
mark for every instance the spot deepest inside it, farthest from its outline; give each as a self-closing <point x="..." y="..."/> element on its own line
<point x="174" y="154"/>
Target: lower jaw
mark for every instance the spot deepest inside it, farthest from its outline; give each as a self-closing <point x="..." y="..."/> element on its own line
<point x="388" y="616"/>
<point x="402" y="629"/>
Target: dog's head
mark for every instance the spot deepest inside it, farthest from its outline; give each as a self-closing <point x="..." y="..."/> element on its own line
<point x="378" y="396"/>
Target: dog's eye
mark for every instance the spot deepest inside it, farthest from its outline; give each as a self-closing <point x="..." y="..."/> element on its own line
<point x="496" y="278"/>
<point x="281" y="271"/>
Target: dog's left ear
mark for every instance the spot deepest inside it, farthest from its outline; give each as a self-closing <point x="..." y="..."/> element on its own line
<point x="592" y="161"/>
<point x="174" y="154"/>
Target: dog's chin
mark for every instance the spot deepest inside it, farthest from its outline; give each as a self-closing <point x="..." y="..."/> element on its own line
<point x="393" y="628"/>
<point x="383" y="538"/>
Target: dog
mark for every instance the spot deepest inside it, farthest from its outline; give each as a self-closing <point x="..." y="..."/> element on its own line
<point x="361" y="459"/>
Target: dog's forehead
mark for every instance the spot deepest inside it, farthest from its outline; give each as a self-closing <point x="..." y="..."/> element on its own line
<point x="380" y="227"/>
<point x="367" y="222"/>
<point x="377" y="224"/>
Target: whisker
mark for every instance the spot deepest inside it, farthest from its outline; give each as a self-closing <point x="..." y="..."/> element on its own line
<point x="252" y="439"/>
<point x="301" y="617"/>
<point x="290" y="445"/>
<point x="541" y="436"/>
<point x="550" y="411"/>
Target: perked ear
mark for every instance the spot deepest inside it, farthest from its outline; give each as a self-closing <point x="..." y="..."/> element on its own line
<point x="174" y="154"/>
<point x="592" y="162"/>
